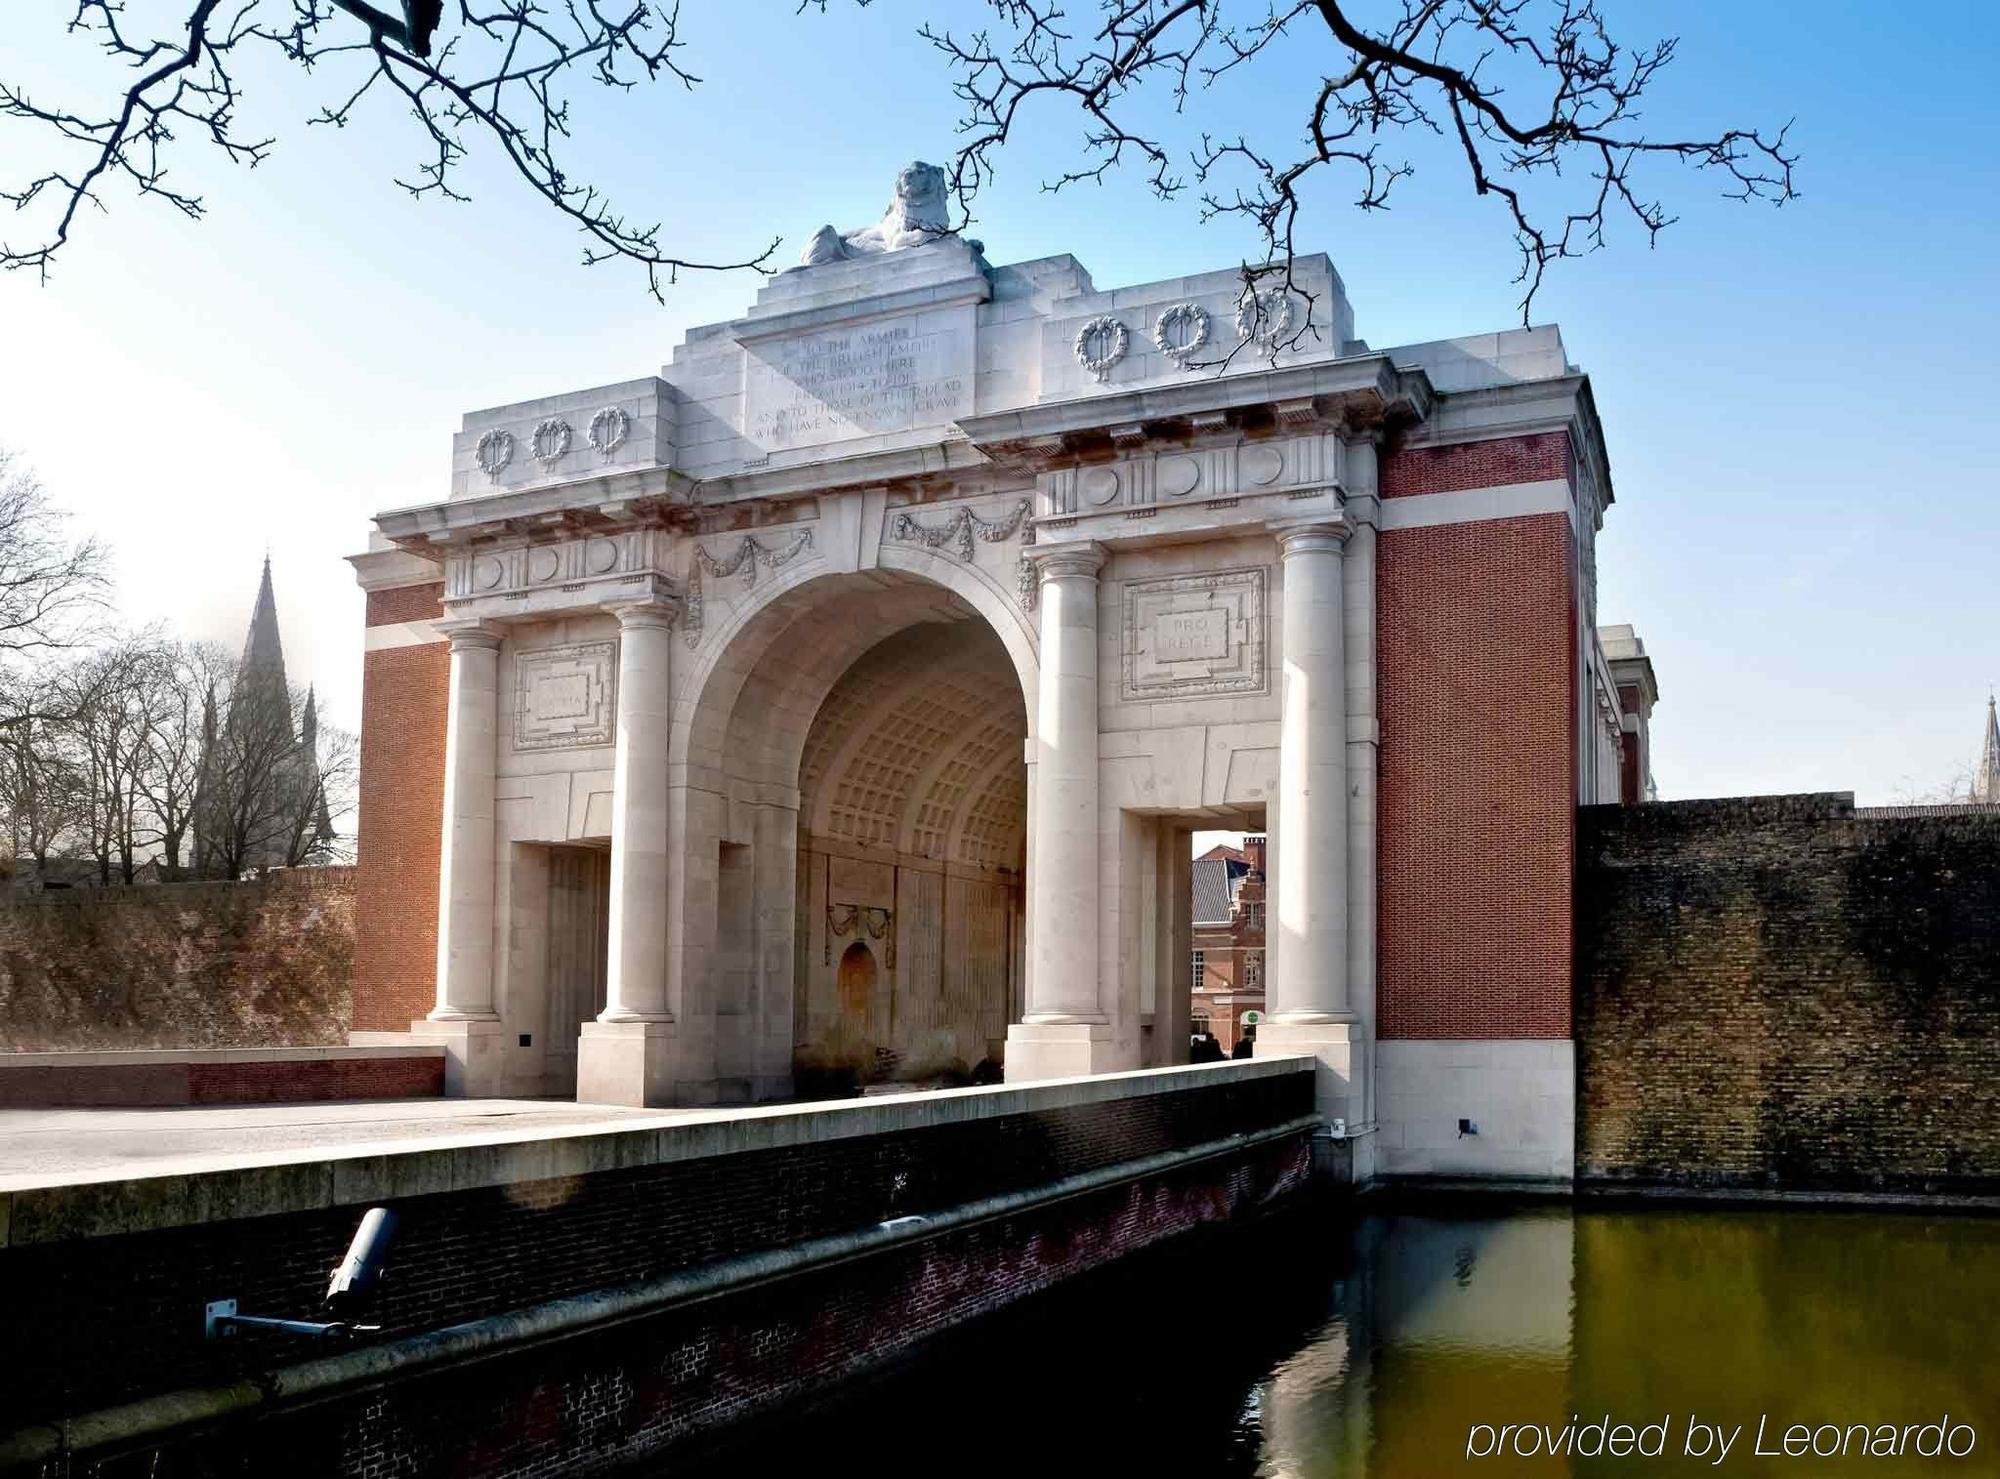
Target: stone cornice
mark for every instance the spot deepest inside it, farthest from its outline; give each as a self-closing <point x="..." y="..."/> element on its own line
<point x="612" y="501"/>
<point x="393" y="569"/>
<point x="971" y="288"/>
<point x="1563" y="403"/>
<point x="1363" y="391"/>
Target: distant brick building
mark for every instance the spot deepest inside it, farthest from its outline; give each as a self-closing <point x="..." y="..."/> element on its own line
<point x="1226" y="971"/>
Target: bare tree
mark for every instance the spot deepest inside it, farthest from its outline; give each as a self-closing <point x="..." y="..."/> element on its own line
<point x="501" y="71"/>
<point x="51" y="587"/>
<point x="115" y="695"/>
<point x="269" y="781"/>
<point x="41" y="787"/>
<point x="180" y="680"/>
<point x="1535" y="97"/>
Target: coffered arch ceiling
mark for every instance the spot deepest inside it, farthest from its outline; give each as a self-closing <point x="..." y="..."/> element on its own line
<point x="918" y="747"/>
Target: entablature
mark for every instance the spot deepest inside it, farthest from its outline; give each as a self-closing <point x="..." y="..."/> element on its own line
<point x="1365" y="392"/>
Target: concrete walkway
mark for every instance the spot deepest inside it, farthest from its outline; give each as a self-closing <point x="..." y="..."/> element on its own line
<point x="40" y="1147"/>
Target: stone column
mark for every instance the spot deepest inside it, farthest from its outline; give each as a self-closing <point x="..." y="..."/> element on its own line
<point x="625" y="1056"/>
<point x="1307" y="983"/>
<point x="464" y="1015"/>
<point x="1065" y="1029"/>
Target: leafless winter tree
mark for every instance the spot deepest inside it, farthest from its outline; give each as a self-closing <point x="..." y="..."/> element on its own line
<point x="501" y="72"/>
<point x="1538" y="101"/>
<point x="52" y="588"/>
<point x="271" y="779"/>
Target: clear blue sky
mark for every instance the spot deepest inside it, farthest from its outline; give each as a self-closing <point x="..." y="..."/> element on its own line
<point x="1798" y="403"/>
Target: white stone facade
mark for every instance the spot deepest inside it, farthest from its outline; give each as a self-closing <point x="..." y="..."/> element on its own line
<point x="891" y="642"/>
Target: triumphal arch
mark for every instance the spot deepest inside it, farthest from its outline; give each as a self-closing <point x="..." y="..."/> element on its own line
<point x="834" y="708"/>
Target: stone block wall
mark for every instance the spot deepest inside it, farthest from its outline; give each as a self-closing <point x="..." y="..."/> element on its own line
<point x="265" y="963"/>
<point x="1777" y="992"/>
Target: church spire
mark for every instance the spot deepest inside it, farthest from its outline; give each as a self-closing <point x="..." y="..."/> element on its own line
<point x="263" y="652"/>
<point x="1986" y="780"/>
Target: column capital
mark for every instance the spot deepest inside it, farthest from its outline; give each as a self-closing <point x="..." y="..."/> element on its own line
<point x="1073" y="561"/>
<point x="1317" y="535"/>
<point x="471" y="632"/>
<point x="657" y="610"/>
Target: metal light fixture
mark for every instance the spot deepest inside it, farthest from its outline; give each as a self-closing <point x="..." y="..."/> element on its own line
<point x="350" y="1290"/>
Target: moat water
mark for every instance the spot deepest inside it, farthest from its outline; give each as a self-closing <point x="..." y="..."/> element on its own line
<point x="1398" y="1346"/>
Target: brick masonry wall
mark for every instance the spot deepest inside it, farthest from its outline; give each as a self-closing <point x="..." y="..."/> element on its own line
<point x="1476" y="655"/>
<point x="109" y="1319"/>
<point x="293" y="1081"/>
<point x="1774" y="992"/>
<point x="259" y="964"/>
<point x="401" y="817"/>
<point x="631" y="1393"/>
<point x="1488" y="464"/>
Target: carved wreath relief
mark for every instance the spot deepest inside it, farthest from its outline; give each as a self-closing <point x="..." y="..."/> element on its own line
<point x="565" y="698"/>
<point x="495" y="451"/>
<point x="1181" y="331"/>
<point x="550" y="443"/>
<point x="1099" y="345"/>
<point x="608" y="430"/>
<point x="1265" y="317"/>
<point x="1191" y="636"/>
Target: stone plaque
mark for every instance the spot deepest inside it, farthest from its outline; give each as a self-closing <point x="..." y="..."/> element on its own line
<point x="867" y="379"/>
<point x="1190" y="636"/>
<point x="565" y="697"/>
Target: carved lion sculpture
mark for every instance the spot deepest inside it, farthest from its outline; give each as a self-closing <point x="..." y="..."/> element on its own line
<point x="918" y="213"/>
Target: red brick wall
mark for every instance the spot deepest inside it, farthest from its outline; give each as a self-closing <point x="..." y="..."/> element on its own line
<point x="401" y="822"/>
<point x="1477" y="654"/>
<point x="168" y="1085"/>
<point x="406" y="603"/>
<point x="1488" y="464"/>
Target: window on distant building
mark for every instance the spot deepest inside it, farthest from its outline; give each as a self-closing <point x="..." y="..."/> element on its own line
<point x="1198" y="1023"/>
<point x="1253" y="970"/>
<point x="1198" y="970"/>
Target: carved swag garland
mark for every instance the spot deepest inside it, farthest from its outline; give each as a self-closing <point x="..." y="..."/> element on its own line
<point x="959" y="530"/>
<point x="750" y="554"/>
<point x="877" y="923"/>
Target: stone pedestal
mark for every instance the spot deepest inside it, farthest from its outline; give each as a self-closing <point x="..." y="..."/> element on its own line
<point x="472" y="1058"/>
<point x="1342" y="1051"/>
<point x="625" y="1063"/>
<point x="1059" y="1050"/>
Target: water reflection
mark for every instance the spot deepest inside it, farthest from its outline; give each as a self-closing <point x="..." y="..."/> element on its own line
<point x="1315" y="1347"/>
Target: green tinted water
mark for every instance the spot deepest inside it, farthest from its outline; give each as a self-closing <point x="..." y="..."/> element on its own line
<point x="1388" y="1346"/>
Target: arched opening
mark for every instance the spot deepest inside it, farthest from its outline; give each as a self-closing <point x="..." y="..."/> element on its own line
<point x="912" y="841"/>
<point x="855" y="777"/>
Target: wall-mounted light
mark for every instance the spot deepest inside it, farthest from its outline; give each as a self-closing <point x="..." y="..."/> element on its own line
<point x="349" y="1292"/>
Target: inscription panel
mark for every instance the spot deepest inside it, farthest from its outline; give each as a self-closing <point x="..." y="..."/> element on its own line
<point x="565" y="697"/>
<point x="865" y="379"/>
<point x="1189" y="636"/>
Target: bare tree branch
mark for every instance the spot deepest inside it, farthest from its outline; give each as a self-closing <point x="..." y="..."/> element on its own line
<point x="503" y="74"/>
<point x="1540" y="102"/>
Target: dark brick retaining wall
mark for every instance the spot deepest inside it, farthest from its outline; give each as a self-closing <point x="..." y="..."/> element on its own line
<point x="102" y="1320"/>
<point x="1775" y="992"/>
